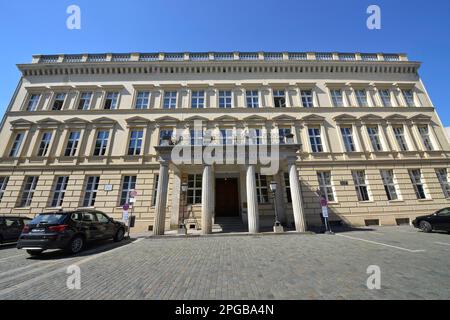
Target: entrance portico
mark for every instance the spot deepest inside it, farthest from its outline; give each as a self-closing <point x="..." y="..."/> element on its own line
<point x="242" y="186"/>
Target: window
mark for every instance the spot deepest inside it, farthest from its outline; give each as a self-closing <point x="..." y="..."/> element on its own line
<point x="142" y="100"/>
<point x="198" y="99"/>
<point x="442" y="176"/>
<point x="227" y="137"/>
<point x="307" y="99"/>
<point x="102" y="218"/>
<point x="196" y="137"/>
<point x="336" y="97"/>
<point x="425" y="135"/>
<point x="135" y="145"/>
<point x="385" y="96"/>
<point x="3" y="184"/>
<point x="90" y="192"/>
<point x="347" y="136"/>
<point x="261" y="188"/>
<point x="58" y="103"/>
<point x="282" y="133"/>
<point x="15" y="147"/>
<point x="279" y="98"/>
<point x="128" y="185"/>
<point x="72" y="144"/>
<point x="111" y="100"/>
<point x="409" y="98"/>
<point x="44" y="144"/>
<point x="28" y="191"/>
<point x="315" y="140"/>
<point x="359" y="178"/>
<point x="361" y="97"/>
<point x="416" y="180"/>
<point x="194" y="191"/>
<point x="374" y="138"/>
<point x="252" y="97"/>
<point x="325" y="186"/>
<point x="254" y="136"/>
<point x="101" y="143"/>
<point x="85" y="101"/>
<point x="287" y="184"/>
<point x="33" y="102"/>
<point x="400" y="137"/>
<point x="389" y="186"/>
<point x="59" y="191"/>
<point x="225" y="99"/>
<point x="164" y="133"/>
<point x="170" y="100"/>
<point x="155" y="189"/>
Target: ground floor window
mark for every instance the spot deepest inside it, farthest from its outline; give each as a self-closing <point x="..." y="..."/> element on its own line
<point x="359" y="178"/>
<point x="442" y="176"/>
<point x="261" y="188"/>
<point x="389" y="186"/>
<point x="28" y="191"/>
<point x="325" y="185"/>
<point x="416" y="180"/>
<point x="128" y="185"/>
<point x="287" y="184"/>
<point x="3" y="184"/>
<point x="90" y="192"/>
<point x="194" y="191"/>
<point x="59" y="191"/>
<point x="155" y="189"/>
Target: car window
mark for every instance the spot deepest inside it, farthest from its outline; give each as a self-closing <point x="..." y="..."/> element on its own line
<point x="444" y="212"/>
<point x="102" y="218"/>
<point x="89" y="217"/>
<point x="77" y="216"/>
<point x="12" y="222"/>
<point x="52" y="218"/>
<point x="26" y="221"/>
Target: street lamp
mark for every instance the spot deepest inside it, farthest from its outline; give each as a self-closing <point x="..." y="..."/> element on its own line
<point x="277" y="228"/>
<point x="182" y="229"/>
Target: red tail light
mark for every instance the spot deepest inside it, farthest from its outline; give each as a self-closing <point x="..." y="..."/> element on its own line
<point x="59" y="228"/>
<point x="26" y="229"/>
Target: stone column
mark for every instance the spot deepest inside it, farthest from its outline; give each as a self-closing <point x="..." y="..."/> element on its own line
<point x="297" y="202"/>
<point x="176" y="194"/>
<point x="161" y="199"/>
<point x="252" y="201"/>
<point x="207" y="202"/>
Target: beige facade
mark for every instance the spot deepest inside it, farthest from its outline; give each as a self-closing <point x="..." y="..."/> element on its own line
<point x="363" y="125"/>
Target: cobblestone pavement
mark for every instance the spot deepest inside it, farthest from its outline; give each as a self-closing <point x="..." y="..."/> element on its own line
<point x="413" y="265"/>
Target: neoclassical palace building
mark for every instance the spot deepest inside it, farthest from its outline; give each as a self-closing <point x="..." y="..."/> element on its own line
<point x="85" y="130"/>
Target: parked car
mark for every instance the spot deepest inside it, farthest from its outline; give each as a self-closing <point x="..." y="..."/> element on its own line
<point x="11" y="228"/>
<point x="68" y="230"/>
<point x="440" y="220"/>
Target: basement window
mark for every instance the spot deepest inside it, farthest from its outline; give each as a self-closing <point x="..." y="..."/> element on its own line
<point x="372" y="222"/>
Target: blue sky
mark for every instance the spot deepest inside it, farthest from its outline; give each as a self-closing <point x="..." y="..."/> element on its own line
<point x="419" y="28"/>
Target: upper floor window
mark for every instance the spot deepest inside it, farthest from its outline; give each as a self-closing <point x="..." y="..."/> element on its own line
<point x="400" y="137"/>
<point x="3" y="184"/>
<point x="225" y="99"/>
<point x="194" y="191"/>
<point x="359" y="178"/>
<point x="101" y="143"/>
<point x="389" y="185"/>
<point x="442" y="176"/>
<point x="279" y="98"/>
<point x="254" y="136"/>
<point x="135" y="145"/>
<point x="111" y="100"/>
<point x="227" y="137"/>
<point x="307" y="98"/>
<point x="347" y="137"/>
<point x="44" y="144"/>
<point x="15" y="147"/>
<point x="409" y="97"/>
<point x="72" y="144"/>
<point x="261" y="188"/>
<point x="170" y="100"/>
<point x="252" y="97"/>
<point x="58" y="102"/>
<point x="283" y="133"/>
<point x="142" y="100"/>
<point x="325" y="185"/>
<point x="361" y="97"/>
<point x="28" y="190"/>
<point x="164" y="134"/>
<point x="198" y="99"/>
<point x="85" y="101"/>
<point x="315" y="140"/>
<point x="33" y="102"/>
<point x="59" y="191"/>
<point x="385" y="96"/>
<point x="128" y="185"/>
<point x="90" y="191"/>
<point x="425" y="135"/>
<point x="374" y="138"/>
<point x="416" y="180"/>
<point x="336" y="97"/>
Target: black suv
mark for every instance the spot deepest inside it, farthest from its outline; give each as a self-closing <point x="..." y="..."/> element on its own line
<point x="68" y="230"/>
<point x="11" y="227"/>
<point x="440" y="220"/>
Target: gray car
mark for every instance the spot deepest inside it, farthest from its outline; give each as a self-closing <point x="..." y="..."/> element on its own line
<point x="11" y="228"/>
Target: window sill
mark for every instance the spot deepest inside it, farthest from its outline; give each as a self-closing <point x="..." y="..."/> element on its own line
<point x="395" y="201"/>
<point x="424" y="200"/>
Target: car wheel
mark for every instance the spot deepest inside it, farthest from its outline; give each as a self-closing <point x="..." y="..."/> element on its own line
<point x="35" y="253"/>
<point x="425" y="226"/>
<point x="119" y="235"/>
<point x="76" y="245"/>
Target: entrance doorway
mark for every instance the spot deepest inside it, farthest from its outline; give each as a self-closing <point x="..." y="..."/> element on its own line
<point x="227" y="197"/>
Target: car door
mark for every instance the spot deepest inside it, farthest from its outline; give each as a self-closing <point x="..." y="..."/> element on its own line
<point x="13" y="229"/>
<point x="442" y="219"/>
<point x="106" y="226"/>
<point x="91" y="225"/>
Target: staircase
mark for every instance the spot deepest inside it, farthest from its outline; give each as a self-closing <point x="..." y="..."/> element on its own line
<point x="229" y="224"/>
